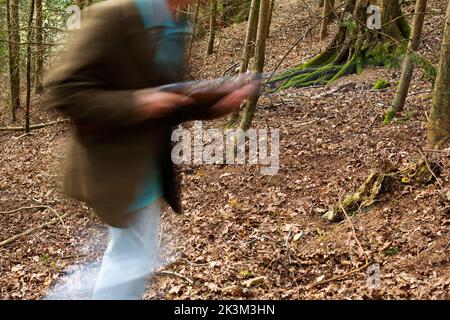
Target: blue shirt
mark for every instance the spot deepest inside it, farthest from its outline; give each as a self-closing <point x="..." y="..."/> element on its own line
<point x="168" y="58"/>
<point x="168" y="63"/>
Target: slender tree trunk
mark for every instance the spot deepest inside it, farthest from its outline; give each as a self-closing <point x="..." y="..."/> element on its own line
<point x="408" y="66"/>
<point x="39" y="49"/>
<point x="439" y="125"/>
<point x="212" y="27"/>
<point x="253" y="28"/>
<point x="272" y="6"/>
<point x="327" y="10"/>
<point x="260" y="53"/>
<point x="194" y="29"/>
<point x="249" y="46"/>
<point x="14" y="55"/>
<point x="249" y="49"/>
<point x="28" y="72"/>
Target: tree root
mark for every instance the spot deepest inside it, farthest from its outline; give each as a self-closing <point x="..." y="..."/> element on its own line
<point x="353" y="47"/>
<point x="381" y="182"/>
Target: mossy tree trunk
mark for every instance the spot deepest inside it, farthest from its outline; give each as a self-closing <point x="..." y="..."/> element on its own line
<point x="260" y="53"/>
<point x="249" y="49"/>
<point x="194" y="29"/>
<point x="354" y="46"/>
<point x="212" y="27"/>
<point x="28" y="70"/>
<point x="439" y="125"/>
<point x="327" y="11"/>
<point x="14" y="55"/>
<point x="272" y="8"/>
<point x="408" y="65"/>
<point x="39" y="49"/>
<point x="250" y="37"/>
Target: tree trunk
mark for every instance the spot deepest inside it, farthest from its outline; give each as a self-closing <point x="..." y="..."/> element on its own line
<point x="14" y="55"/>
<point x="408" y="66"/>
<point x="439" y="125"/>
<point x="327" y="11"/>
<point x="39" y="49"/>
<point x="234" y="11"/>
<point x="28" y="72"/>
<point x="353" y="47"/>
<point x="253" y="28"/>
<point x="194" y="28"/>
<point x="272" y="6"/>
<point x="249" y="46"/>
<point x="212" y="27"/>
<point x="260" y="53"/>
<point x="249" y="49"/>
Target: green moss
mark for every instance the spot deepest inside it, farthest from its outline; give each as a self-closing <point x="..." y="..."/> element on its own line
<point x="316" y="63"/>
<point x="389" y="116"/>
<point x="319" y="76"/>
<point x="381" y="84"/>
<point x="366" y="51"/>
<point x="348" y="68"/>
<point x="428" y="68"/>
<point x="405" y="27"/>
<point x="392" y="251"/>
<point x="245" y="274"/>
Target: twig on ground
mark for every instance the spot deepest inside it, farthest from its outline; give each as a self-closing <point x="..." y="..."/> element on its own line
<point x="286" y="244"/>
<point x="24" y="135"/>
<point x="35" y="207"/>
<point x="35" y="126"/>
<point x="335" y="90"/>
<point x="366" y="264"/>
<point x="251" y="282"/>
<point x="41" y="226"/>
<point x="170" y="273"/>
<point x="247" y="283"/>
<point x="195" y="264"/>
<point x="307" y="123"/>
<point x="374" y="119"/>
<point x="438" y="151"/>
<point x="234" y="65"/>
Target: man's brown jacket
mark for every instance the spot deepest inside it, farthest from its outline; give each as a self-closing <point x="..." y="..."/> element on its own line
<point x="110" y="151"/>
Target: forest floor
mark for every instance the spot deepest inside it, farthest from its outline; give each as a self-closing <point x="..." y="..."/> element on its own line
<point x="240" y="225"/>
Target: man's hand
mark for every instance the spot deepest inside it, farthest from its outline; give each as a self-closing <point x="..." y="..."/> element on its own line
<point x="232" y="102"/>
<point x="152" y="104"/>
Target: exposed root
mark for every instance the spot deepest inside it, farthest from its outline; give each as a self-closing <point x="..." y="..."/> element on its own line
<point x="384" y="181"/>
<point x="353" y="48"/>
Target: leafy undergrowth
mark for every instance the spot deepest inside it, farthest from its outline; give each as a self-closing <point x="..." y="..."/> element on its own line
<point x="240" y="225"/>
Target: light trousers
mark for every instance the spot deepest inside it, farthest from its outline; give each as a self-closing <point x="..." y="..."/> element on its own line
<point x="130" y="258"/>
